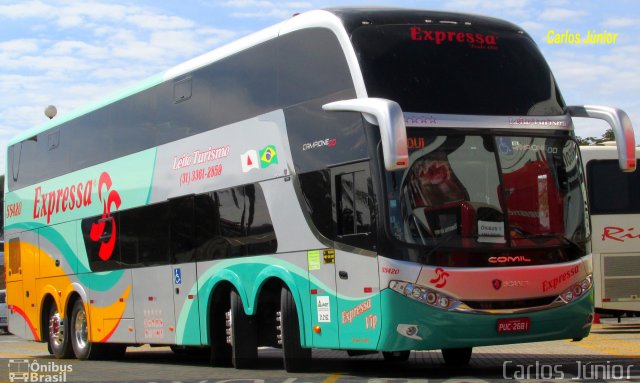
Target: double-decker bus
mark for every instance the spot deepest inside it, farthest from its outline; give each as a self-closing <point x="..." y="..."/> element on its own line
<point x="372" y="180"/>
<point x="614" y="202"/>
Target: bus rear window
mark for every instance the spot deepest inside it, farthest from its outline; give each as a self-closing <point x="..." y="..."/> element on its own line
<point x="456" y="69"/>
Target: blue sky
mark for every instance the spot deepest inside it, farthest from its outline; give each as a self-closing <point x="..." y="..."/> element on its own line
<point x="70" y="53"/>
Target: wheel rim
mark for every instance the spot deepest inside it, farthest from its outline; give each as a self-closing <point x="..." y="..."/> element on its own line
<point x="56" y="329"/>
<point x="80" y="329"/>
<point x="229" y="327"/>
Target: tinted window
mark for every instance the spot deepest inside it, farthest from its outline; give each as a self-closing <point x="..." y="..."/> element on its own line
<point x="354" y="214"/>
<point x="311" y="64"/>
<point x="612" y="191"/>
<point x="311" y="67"/>
<point x="227" y="223"/>
<point x="233" y="89"/>
<point x="15" y="260"/>
<point x="232" y="208"/>
<point x="316" y="190"/>
<point x="354" y="207"/>
<point x="236" y="223"/>
<point x="100" y="236"/>
<point x="455" y="69"/>
<point x="182" y="226"/>
<point x="144" y="235"/>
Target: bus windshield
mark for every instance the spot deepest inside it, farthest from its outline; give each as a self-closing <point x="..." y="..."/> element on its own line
<point x="482" y="190"/>
<point x="456" y="69"/>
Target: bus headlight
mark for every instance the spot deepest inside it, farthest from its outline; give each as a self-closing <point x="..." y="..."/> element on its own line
<point x="424" y="295"/>
<point x="577" y="290"/>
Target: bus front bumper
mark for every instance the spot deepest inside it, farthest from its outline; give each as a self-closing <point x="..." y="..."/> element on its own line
<point x="416" y="326"/>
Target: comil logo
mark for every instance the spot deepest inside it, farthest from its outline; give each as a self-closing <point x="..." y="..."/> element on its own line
<point x="110" y="199"/>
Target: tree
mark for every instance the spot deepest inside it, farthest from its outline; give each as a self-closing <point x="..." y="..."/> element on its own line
<point x="608" y="135"/>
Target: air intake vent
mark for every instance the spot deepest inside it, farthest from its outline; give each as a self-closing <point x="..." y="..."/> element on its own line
<point x="621" y="276"/>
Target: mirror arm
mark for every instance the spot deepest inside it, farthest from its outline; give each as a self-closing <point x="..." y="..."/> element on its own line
<point x="388" y="116"/>
<point x="622" y="129"/>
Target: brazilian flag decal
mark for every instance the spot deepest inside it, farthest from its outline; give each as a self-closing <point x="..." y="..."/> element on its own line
<point x="268" y="156"/>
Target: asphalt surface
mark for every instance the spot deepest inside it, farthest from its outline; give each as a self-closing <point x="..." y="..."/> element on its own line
<point x="610" y="353"/>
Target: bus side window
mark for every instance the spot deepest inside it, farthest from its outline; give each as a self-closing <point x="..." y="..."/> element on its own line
<point x="354" y="207"/>
<point x="144" y="235"/>
<point x="104" y="229"/>
<point x="182" y="229"/>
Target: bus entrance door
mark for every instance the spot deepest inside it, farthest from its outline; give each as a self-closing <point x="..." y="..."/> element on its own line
<point x="356" y="262"/>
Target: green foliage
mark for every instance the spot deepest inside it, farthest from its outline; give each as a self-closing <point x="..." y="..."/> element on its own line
<point x="608" y="135"/>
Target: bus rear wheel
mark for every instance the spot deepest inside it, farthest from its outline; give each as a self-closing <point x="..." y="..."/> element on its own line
<point x="80" y="335"/>
<point x="58" y="341"/>
<point x="220" y="348"/>
<point x="296" y="358"/>
<point x="242" y="334"/>
<point x="457" y="356"/>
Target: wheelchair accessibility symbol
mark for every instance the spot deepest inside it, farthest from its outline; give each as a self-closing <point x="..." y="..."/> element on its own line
<point x="177" y="276"/>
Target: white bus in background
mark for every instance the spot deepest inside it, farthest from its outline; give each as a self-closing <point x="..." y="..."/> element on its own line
<point x="614" y="199"/>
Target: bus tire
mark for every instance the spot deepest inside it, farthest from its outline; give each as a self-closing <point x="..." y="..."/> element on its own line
<point x="396" y="356"/>
<point x="80" y="335"/>
<point x="457" y="356"/>
<point x="243" y="334"/>
<point x="220" y="349"/>
<point x="58" y="342"/>
<point x="296" y="358"/>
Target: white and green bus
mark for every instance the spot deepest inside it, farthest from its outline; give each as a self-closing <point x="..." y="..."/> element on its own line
<point x="614" y="202"/>
<point x="371" y="180"/>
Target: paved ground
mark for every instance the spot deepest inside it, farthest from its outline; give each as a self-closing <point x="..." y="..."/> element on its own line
<point x="612" y="352"/>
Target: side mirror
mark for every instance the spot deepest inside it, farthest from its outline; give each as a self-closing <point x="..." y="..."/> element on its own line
<point x="622" y="129"/>
<point x="388" y="116"/>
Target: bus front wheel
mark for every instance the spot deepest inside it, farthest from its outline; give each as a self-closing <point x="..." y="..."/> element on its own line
<point x="296" y="357"/>
<point x="243" y="334"/>
<point x="457" y="356"/>
<point x="80" y="334"/>
<point x="58" y="339"/>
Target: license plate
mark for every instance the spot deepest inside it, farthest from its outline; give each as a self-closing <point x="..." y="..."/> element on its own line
<point x="3" y="320"/>
<point x="514" y="325"/>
